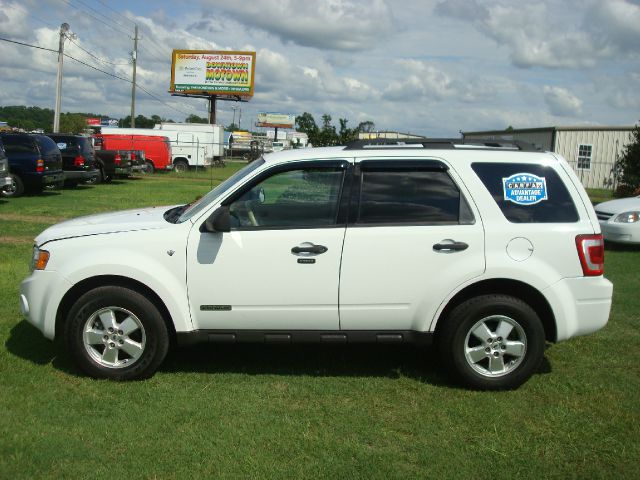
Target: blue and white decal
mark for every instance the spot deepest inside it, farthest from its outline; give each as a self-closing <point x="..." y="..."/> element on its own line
<point x="524" y="189"/>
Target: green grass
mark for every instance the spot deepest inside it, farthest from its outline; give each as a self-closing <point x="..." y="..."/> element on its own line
<point x="304" y="412"/>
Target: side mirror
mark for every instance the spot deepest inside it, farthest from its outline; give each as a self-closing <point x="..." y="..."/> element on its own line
<point x="218" y="221"/>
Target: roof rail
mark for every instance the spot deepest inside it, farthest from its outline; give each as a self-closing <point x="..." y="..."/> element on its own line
<point x="441" y="144"/>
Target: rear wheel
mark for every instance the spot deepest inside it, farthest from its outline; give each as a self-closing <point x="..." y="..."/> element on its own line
<point x="148" y="167"/>
<point x="181" y="166"/>
<point x="492" y="342"/>
<point x="15" y="189"/>
<point x="116" y="333"/>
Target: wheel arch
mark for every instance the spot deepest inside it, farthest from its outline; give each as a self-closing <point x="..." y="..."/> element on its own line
<point x="525" y="292"/>
<point x="180" y="160"/>
<point x="111" y="280"/>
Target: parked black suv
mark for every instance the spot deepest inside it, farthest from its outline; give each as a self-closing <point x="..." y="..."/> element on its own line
<point x="78" y="158"/>
<point x="34" y="163"/>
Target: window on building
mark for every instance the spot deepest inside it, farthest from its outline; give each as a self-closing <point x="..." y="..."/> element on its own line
<point x="584" y="157"/>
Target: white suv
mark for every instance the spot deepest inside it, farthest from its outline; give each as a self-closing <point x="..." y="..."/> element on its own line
<point x="488" y="250"/>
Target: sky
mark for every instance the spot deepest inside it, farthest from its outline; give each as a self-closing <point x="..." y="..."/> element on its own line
<point x="428" y="67"/>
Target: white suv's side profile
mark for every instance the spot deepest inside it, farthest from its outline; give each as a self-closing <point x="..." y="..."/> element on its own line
<point x="487" y="250"/>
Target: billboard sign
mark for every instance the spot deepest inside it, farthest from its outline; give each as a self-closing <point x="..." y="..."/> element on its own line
<point x="93" y="121"/>
<point x="276" y="120"/>
<point x="212" y="72"/>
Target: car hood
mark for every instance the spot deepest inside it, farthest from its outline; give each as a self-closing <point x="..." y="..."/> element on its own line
<point x="124" y="221"/>
<point x="619" y="206"/>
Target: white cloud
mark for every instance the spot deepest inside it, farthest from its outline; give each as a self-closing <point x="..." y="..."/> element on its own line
<point x="552" y="33"/>
<point x="561" y="102"/>
<point x="349" y="25"/>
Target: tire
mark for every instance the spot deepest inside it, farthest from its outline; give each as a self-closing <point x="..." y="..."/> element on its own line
<point x="492" y="342"/>
<point x="149" y="168"/>
<point x="181" y="166"/>
<point x="116" y="333"/>
<point x="15" y="189"/>
<point x="97" y="179"/>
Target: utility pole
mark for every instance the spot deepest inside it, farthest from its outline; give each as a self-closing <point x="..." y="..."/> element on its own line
<point x="134" y="57"/>
<point x="239" y="118"/>
<point x="64" y="28"/>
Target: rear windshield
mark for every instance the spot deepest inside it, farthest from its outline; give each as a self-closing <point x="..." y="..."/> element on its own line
<point x="74" y="143"/>
<point x="47" y="146"/>
<point x="528" y="193"/>
<point x="19" y="144"/>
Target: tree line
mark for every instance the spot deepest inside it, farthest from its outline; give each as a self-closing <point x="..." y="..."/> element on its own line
<point x="327" y="134"/>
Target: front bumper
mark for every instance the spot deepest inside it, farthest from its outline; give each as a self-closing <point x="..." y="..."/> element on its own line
<point x="5" y="182"/>
<point x="581" y="305"/>
<point x="621" y="232"/>
<point x="40" y="295"/>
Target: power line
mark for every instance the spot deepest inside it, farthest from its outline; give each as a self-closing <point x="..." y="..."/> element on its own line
<point x="138" y="85"/>
<point x="96" y="18"/>
<point x="94" y="56"/>
<point x="116" y="12"/>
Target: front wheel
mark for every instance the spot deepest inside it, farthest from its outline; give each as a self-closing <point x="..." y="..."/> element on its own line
<point x="116" y="333"/>
<point x="149" y="167"/>
<point x="492" y="342"/>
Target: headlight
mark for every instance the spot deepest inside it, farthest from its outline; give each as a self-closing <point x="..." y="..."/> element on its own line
<point x="39" y="259"/>
<point x="628" y="217"/>
<point x="3" y="166"/>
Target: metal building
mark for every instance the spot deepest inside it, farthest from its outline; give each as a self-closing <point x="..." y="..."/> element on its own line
<point x="591" y="151"/>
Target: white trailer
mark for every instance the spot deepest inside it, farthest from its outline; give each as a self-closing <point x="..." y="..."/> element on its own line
<point x="192" y="144"/>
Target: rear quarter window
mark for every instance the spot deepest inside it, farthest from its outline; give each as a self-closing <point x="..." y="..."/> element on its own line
<point x="557" y="207"/>
<point x="19" y="144"/>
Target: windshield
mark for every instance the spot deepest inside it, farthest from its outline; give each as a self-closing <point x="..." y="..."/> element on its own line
<point x="197" y="206"/>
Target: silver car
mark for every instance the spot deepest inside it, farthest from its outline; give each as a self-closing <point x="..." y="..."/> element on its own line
<point x="620" y="220"/>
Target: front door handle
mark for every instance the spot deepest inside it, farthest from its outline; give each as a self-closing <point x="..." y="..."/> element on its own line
<point x="450" y="246"/>
<point x="308" y="249"/>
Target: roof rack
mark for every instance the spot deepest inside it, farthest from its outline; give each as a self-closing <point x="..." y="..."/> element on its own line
<point x="441" y="144"/>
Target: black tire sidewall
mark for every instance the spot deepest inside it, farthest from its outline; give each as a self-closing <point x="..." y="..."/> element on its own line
<point x="157" y="339"/>
<point x="463" y="317"/>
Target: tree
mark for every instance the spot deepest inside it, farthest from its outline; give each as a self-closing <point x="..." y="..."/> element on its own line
<point x="627" y="167"/>
<point x="366" y="127"/>
<point x="196" y="119"/>
<point x="73" y="123"/>
<point x="232" y="127"/>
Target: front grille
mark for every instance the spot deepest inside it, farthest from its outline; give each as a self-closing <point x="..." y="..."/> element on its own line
<point x="603" y="215"/>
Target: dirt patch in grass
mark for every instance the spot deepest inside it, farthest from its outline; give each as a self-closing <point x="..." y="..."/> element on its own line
<point x="10" y="240"/>
<point x="21" y="217"/>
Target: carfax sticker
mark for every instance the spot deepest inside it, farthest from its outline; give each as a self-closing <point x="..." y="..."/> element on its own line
<point x="524" y="189"/>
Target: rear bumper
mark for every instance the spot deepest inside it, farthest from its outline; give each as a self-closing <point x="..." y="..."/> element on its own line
<point x="43" y="179"/>
<point x="80" y="175"/>
<point x="123" y="170"/>
<point x="581" y="305"/>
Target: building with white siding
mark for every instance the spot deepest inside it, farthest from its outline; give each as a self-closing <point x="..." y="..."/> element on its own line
<point x="591" y="151"/>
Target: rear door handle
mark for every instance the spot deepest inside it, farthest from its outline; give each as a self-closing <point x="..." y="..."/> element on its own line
<point x="450" y="246"/>
<point x="308" y="249"/>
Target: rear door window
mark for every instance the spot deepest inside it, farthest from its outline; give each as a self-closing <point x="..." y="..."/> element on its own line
<point x="422" y="193"/>
<point x="528" y="193"/>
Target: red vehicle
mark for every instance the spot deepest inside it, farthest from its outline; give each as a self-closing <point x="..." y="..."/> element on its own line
<point x="157" y="150"/>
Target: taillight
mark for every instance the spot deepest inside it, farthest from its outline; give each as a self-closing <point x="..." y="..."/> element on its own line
<point x="133" y="156"/>
<point x="39" y="165"/>
<point x="591" y="253"/>
<point x="117" y="159"/>
<point x="79" y="161"/>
